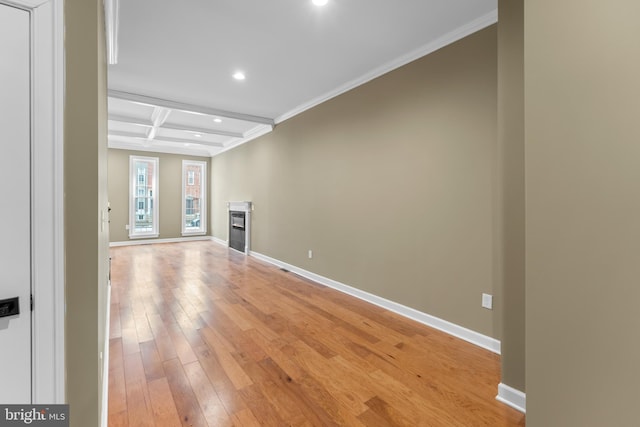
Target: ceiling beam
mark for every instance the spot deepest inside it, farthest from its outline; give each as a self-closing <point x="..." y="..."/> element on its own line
<point x="143" y="138"/>
<point x="131" y="120"/>
<point x="158" y="117"/>
<point x="126" y="134"/>
<point x="188" y="141"/>
<point x="190" y="108"/>
<point x="203" y="130"/>
<point x="143" y="122"/>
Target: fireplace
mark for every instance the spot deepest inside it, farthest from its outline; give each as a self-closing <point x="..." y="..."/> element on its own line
<point x="239" y="225"/>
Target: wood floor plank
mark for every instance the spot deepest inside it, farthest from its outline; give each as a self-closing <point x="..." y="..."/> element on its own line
<point x="115" y="327"/>
<point x="117" y="402"/>
<point x="183" y="396"/>
<point x="260" y="406"/>
<point x="118" y="419"/>
<point x="164" y="409"/>
<point x="139" y="409"/>
<point x="204" y="336"/>
<point x="133" y="368"/>
<point x="130" y="341"/>
<point x="351" y="395"/>
<point x="181" y="345"/>
<point x="227" y="392"/>
<point x="151" y="361"/>
<point x="245" y="418"/>
<point x="210" y="403"/>
<point x="234" y="371"/>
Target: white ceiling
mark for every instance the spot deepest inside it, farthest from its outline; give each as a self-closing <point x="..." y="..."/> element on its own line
<point x="176" y="60"/>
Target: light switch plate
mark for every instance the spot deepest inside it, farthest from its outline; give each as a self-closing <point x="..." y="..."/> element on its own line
<point x="487" y="301"/>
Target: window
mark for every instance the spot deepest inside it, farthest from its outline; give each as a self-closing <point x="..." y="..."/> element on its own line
<point x="143" y="212"/>
<point x="194" y="200"/>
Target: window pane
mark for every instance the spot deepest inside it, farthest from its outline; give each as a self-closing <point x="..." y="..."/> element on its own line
<point x="193" y="214"/>
<point x="144" y="179"/>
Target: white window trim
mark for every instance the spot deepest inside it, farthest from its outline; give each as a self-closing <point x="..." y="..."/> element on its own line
<point x="133" y="181"/>
<point x="203" y="197"/>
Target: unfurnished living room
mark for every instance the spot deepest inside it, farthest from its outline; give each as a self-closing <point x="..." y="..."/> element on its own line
<point x="320" y="212"/>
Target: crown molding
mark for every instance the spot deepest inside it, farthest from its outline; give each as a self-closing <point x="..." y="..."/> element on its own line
<point x="448" y="38"/>
<point x="254" y="133"/>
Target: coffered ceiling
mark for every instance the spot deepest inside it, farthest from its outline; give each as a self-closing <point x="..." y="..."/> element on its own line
<point x="172" y="88"/>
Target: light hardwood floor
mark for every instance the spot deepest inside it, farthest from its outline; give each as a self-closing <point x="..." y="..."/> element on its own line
<point x="204" y="336"/>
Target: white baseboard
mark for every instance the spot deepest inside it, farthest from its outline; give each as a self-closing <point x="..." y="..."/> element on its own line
<point x="512" y="397"/>
<point x="105" y="364"/>
<point x="220" y="241"/>
<point x="468" y="335"/>
<point x="151" y="241"/>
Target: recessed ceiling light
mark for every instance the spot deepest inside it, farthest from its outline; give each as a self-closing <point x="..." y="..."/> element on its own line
<point x="187" y="144"/>
<point x="320" y="2"/>
<point x="239" y="75"/>
<point x="217" y="120"/>
<point x="197" y="135"/>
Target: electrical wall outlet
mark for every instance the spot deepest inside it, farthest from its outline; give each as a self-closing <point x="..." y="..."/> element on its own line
<point x="487" y="301"/>
<point x="310" y="254"/>
<point x="126" y="227"/>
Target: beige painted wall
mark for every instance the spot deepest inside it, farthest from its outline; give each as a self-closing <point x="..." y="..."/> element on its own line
<point x="86" y="242"/>
<point x="582" y="101"/>
<point x="390" y="185"/>
<point x="170" y="196"/>
<point x="510" y="208"/>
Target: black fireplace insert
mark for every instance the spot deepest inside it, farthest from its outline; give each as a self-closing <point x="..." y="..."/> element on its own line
<point x="237" y="230"/>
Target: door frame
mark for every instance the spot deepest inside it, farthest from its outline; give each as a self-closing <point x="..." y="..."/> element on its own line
<point x="47" y="215"/>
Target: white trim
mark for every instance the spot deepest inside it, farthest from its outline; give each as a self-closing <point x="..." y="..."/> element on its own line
<point x="60" y="309"/>
<point x="512" y="397"/>
<point x="47" y="109"/>
<point x="203" y="131"/>
<point x="252" y="134"/>
<point x="152" y="241"/>
<point x="451" y="37"/>
<point x="105" y="364"/>
<point x="112" y="24"/>
<point x="155" y="148"/>
<point x="174" y="105"/>
<point x="203" y="197"/>
<point x="29" y="5"/>
<point x="219" y="241"/>
<point x="463" y="333"/>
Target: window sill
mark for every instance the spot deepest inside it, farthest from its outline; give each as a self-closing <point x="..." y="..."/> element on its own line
<point x="194" y="233"/>
<point x="143" y="236"/>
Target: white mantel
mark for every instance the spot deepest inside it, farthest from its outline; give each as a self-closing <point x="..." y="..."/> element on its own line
<point x="239" y="206"/>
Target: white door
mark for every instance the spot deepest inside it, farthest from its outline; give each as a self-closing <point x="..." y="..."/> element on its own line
<point x="15" y="205"/>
